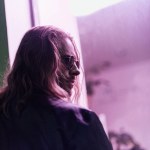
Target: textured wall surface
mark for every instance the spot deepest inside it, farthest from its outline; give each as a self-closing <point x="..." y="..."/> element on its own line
<point x="125" y="100"/>
<point x="116" y="40"/>
<point x="18" y="22"/>
<point x="119" y="34"/>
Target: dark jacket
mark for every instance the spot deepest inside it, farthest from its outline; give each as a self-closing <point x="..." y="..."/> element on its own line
<point x="52" y="124"/>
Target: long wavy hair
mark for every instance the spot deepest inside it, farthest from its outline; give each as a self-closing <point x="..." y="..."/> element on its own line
<point x="37" y="67"/>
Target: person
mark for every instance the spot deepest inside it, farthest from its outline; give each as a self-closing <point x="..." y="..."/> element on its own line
<point x="36" y="112"/>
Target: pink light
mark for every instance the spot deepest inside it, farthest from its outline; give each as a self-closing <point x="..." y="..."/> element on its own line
<point x="87" y="7"/>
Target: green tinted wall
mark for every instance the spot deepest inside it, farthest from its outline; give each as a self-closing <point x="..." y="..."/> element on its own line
<point x="3" y="41"/>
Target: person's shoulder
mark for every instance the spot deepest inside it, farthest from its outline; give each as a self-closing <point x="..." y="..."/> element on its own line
<point x="64" y="110"/>
<point x="72" y="111"/>
<point x="83" y="126"/>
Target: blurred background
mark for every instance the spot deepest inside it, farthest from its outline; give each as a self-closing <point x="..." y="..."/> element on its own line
<point x="113" y="37"/>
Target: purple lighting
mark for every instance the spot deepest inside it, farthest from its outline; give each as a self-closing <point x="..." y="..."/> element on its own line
<point x="86" y="7"/>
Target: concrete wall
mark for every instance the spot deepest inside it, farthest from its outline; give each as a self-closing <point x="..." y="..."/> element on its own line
<point x="116" y="40"/>
<point x="125" y="100"/>
<point x="18" y="22"/>
<point x="119" y="34"/>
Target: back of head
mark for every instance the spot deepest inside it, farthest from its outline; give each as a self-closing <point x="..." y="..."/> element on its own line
<point x="37" y="66"/>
